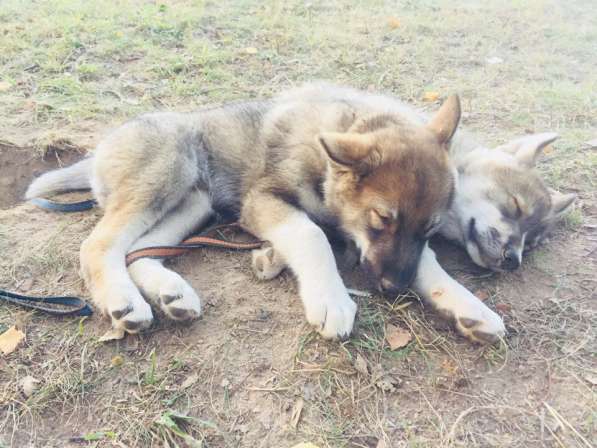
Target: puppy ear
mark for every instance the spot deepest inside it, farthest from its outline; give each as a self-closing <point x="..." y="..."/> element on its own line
<point x="350" y="150"/>
<point x="446" y="119"/>
<point x="527" y="149"/>
<point x="560" y="203"/>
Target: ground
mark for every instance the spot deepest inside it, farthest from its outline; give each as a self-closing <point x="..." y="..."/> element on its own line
<point x="251" y="372"/>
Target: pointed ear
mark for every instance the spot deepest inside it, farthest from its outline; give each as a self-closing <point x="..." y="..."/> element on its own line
<point x="560" y="203"/>
<point x="445" y="121"/>
<point x="527" y="149"/>
<point x="350" y="150"/>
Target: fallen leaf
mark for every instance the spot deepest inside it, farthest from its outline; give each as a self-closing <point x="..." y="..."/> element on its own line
<point x="191" y="379"/>
<point x="503" y="307"/>
<point x="295" y="416"/>
<point x="4" y="86"/>
<point x="592" y="143"/>
<point x="28" y="385"/>
<point x="117" y="361"/>
<point x="381" y="444"/>
<point x="112" y="334"/>
<point x="548" y="150"/>
<point x="361" y="365"/>
<point x="397" y="337"/>
<point x="430" y="96"/>
<point x="394" y="23"/>
<point x="251" y="50"/>
<point x="10" y="339"/>
<point x="482" y="294"/>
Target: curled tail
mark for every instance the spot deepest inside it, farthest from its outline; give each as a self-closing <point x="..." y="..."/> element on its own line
<point x="74" y="177"/>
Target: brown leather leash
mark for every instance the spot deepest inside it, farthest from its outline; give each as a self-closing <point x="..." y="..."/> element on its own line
<point x="195" y="242"/>
<point x="75" y="306"/>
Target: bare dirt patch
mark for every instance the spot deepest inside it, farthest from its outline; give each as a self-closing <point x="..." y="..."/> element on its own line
<point x="240" y="372"/>
<point x="20" y="165"/>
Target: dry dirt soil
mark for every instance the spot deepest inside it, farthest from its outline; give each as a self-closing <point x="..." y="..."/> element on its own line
<point x="250" y="372"/>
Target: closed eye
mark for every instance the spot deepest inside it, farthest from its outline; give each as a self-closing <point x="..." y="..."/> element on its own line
<point x="378" y="219"/>
<point x="517" y="209"/>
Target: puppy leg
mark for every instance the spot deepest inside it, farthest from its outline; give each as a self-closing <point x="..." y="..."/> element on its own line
<point x="307" y="252"/>
<point x="161" y="285"/>
<point x="471" y="316"/>
<point x="103" y="267"/>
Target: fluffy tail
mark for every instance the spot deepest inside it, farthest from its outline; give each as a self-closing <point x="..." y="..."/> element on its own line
<point x="74" y="177"/>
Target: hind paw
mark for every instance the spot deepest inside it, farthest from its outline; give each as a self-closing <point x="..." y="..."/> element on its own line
<point x="167" y="289"/>
<point x="129" y="312"/>
<point x="179" y="301"/>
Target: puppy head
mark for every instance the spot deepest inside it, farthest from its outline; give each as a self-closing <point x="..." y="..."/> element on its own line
<point x="389" y="182"/>
<point x="503" y="205"/>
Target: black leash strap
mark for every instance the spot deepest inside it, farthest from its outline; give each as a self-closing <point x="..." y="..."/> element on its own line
<point x="58" y="306"/>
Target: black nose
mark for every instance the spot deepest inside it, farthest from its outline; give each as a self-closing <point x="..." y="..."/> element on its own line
<point x="511" y="261"/>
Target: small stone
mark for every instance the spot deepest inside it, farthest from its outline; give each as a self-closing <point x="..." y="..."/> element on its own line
<point x="28" y="385"/>
<point x="361" y="365"/>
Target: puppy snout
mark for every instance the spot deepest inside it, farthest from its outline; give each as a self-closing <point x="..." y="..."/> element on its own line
<point x="511" y="260"/>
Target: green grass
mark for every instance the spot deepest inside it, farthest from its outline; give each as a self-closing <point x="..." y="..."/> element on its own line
<point x="184" y="54"/>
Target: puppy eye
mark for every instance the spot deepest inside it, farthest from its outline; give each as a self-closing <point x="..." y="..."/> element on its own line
<point x="377" y="219"/>
<point x="516" y="207"/>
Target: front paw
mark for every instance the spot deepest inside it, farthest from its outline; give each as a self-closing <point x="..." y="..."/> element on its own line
<point x="331" y="312"/>
<point x="480" y="324"/>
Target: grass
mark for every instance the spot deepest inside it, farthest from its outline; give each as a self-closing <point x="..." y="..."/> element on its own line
<point x="70" y="69"/>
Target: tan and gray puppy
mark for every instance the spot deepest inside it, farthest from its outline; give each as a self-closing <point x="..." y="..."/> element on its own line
<point x="350" y="161"/>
